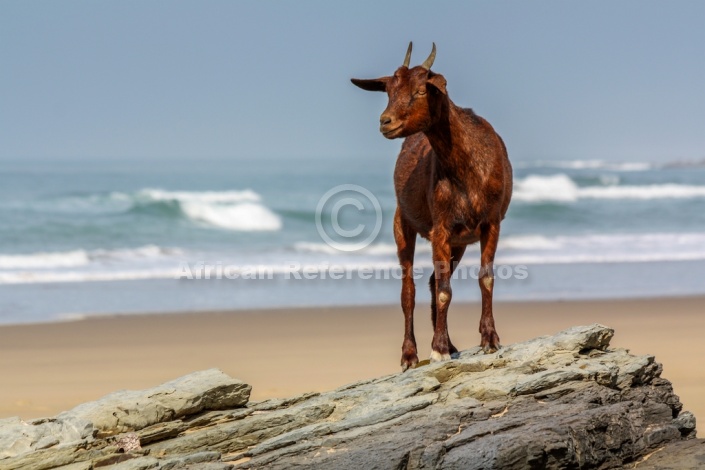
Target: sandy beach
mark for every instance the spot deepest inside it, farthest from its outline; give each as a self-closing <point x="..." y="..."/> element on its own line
<point x="48" y="368"/>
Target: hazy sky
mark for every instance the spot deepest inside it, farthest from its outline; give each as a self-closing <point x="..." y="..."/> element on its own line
<point x="254" y="79"/>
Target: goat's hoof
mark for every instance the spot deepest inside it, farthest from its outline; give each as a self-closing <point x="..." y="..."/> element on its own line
<point x="438" y="357"/>
<point x="452" y="349"/>
<point x="409" y="362"/>
<point x="490" y="341"/>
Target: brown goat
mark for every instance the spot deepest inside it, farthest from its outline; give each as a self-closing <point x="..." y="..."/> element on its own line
<point x="453" y="182"/>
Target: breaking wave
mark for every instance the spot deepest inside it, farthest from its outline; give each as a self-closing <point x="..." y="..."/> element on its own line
<point x="561" y="188"/>
<point x="229" y="210"/>
<point x="76" y="258"/>
<point x="588" y="165"/>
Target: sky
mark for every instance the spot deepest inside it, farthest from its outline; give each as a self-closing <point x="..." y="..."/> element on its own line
<point x="161" y="80"/>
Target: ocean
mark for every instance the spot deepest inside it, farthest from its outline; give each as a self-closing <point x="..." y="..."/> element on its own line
<point x="102" y="237"/>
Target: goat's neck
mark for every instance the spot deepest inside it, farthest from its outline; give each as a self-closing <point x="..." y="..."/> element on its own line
<point x="445" y="137"/>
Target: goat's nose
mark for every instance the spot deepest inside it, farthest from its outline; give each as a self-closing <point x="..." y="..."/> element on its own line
<point x="385" y="119"/>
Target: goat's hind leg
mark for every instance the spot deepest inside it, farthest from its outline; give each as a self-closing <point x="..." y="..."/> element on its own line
<point x="488" y="246"/>
<point x="405" y="238"/>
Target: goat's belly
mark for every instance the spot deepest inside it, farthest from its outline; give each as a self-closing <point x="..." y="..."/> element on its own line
<point x="461" y="235"/>
<point x="421" y="225"/>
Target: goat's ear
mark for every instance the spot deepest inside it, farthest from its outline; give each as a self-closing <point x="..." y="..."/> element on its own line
<point x="437" y="81"/>
<point x="374" y="84"/>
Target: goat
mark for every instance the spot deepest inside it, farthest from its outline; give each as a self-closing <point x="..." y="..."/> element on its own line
<point x="453" y="184"/>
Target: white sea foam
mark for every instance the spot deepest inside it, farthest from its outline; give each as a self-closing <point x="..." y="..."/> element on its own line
<point x="33" y="277"/>
<point x="528" y="242"/>
<point x="209" y="197"/>
<point x="653" y="191"/>
<point x="561" y="188"/>
<point x="635" y="166"/>
<point x="76" y="258"/>
<point x="45" y="260"/>
<point x="244" y="216"/>
<point x="230" y="210"/>
<point x="634" y="241"/>
<point x="309" y="247"/>
<point x="604" y="248"/>
<point x="554" y="188"/>
<point x="588" y="165"/>
<point x="129" y="254"/>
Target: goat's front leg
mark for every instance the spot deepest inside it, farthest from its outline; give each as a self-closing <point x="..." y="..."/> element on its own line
<point x="405" y="238"/>
<point x="488" y="245"/>
<point x="456" y="254"/>
<point x="440" y="242"/>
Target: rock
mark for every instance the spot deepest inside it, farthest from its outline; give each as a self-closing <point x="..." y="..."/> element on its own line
<point x="19" y="437"/>
<point x="134" y="410"/>
<point x="561" y="401"/>
<point x="679" y="455"/>
<point x="76" y="466"/>
<point x="52" y="442"/>
<point x="685" y="422"/>
<point x="138" y="463"/>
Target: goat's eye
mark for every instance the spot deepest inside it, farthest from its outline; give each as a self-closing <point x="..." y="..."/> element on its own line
<point x="421" y="92"/>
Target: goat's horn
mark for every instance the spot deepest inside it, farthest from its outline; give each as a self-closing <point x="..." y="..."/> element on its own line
<point x="429" y="62"/>
<point x="407" y="59"/>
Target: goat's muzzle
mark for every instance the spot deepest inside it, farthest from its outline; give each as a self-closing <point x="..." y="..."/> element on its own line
<point x="388" y="126"/>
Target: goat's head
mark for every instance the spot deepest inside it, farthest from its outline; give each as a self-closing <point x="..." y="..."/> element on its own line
<point x="416" y="97"/>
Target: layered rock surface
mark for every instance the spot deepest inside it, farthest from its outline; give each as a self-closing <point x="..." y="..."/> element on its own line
<point x="562" y="401"/>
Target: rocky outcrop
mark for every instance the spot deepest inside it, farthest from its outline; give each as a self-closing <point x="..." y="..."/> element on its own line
<point x="82" y="434"/>
<point x="562" y="401"/>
